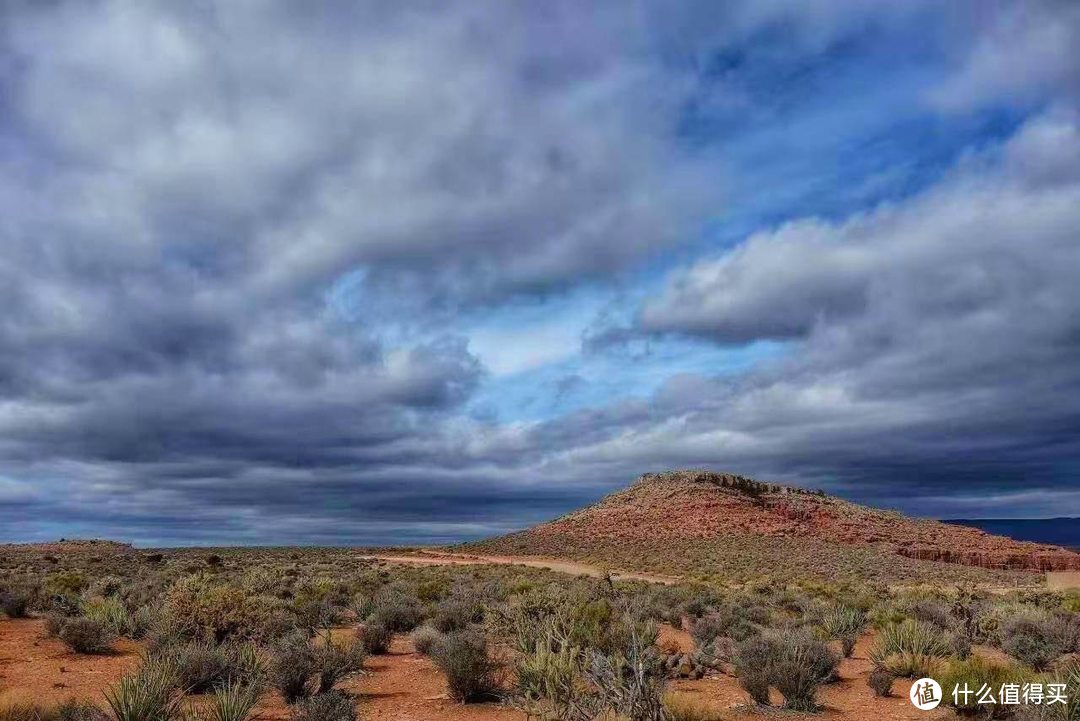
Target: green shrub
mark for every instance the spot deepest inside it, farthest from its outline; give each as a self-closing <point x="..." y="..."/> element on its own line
<point x="973" y="674"/>
<point x="912" y="649"/>
<point x="148" y="695"/>
<point x="201" y="667"/>
<point x="630" y="682"/>
<point x="470" y="673"/>
<point x="66" y="583"/>
<point x="337" y="662"/>
<point x="548" y="678"/>
<point x="87" y="635"/>
<point x="294" y="665"/>
<point x="15" y="602"/>
<point x="457" y="614"/>
<point x="843" y="624"/>
<point x="232" y="701"/>
<point x="397" y="612"/>
<point x="880" y="681"/>
<point x="737" y="621"/>
<point x="330" y="706"/>
<point x="374" y="638"/>
<point x="795" y="662"/>
<point x="1034" y="641"/>
<point x="425" y="638"/>
<point x="752" y="660"/>
<point x="109" y="611"/>
<point x="67" y="711"/>
<point x="434" y="590"/>
<point x="72" y="710"/>
<point x="205" y="610"/>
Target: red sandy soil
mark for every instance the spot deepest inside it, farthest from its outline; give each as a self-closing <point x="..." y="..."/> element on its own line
<point x="686" y="505"/>
<point x="848" y="698"/>
<point x="405" y="686"/>
<point x="400" y="686"/>
<point x="34" y="667"/>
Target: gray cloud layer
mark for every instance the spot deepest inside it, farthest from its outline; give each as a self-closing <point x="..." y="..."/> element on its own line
<point x="189" y="194"/>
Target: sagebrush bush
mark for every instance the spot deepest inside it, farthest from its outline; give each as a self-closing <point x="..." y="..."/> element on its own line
<point x="912" y="649"/>
<point x="205" y="610"/>
<point x="293" y="667"/>
<point x="752" y="660"/>
<point x="67" y="711"/>
<point x="470" y="672"/>
<point x="973" y="674"/>
<point x="201" y="666"/>
<point x="730" y="620"/>
<point x="374" y="638"/>
<point x="795" y="662"/>
<point x="330" y="706"/>
<point x="15" y="602"/>
<point x="425" y="638"/>
<point x="457" y="614"/>
<point x="87" y="635"/>
<point x="338" y="661"/>
<point x="397" y="612"/>
<point x="880" y="681"/>
<point x="1035" y="641"/>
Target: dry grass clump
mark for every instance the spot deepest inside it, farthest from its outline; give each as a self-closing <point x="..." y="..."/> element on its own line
<point x="330" y="706"/>
<point x="911" y="648"/>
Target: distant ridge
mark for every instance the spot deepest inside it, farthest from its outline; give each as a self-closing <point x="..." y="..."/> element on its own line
<point x="733" y="524"/>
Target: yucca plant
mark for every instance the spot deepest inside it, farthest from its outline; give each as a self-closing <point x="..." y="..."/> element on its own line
<point x="233" y="702"/>
<point x="911" y="649"/>
<point x="842" y="624"/>
<point x="109" y="611"/>
<point x="148" y="695"/>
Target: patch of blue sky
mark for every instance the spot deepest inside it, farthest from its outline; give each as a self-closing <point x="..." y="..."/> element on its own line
<point x="597" y="379"/>
<point x="834" y="133"/>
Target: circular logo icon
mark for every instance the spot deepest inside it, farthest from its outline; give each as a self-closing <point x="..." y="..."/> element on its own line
<point x="925" y="694"/>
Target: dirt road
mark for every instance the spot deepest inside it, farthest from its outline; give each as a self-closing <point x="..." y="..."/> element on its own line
<point x="429" y="557"/>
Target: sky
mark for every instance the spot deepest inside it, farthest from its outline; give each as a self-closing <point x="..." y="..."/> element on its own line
<point x="374" y="273"/>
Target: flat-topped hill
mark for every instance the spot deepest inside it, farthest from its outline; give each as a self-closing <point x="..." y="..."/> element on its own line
<point x="705" y="522"/>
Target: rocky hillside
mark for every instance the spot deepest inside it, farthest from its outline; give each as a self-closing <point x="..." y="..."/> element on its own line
<point x="663" y="517"/>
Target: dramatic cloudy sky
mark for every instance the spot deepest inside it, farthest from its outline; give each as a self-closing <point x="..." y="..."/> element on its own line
<point x="341" y="272"/>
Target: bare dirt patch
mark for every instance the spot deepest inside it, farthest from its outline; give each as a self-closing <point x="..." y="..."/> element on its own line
<point x="444" y="558"/>
<point x="35" y="667"/>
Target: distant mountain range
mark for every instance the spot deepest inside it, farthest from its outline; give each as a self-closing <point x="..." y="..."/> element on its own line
<point x="1057" y="531"/>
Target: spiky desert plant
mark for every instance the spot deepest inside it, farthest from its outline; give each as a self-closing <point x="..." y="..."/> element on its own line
<point x="233" y="702"/>
<point x="842" y="624"/>
<point x="911" y="648"/>
<point x="148" y="695"/>
<point x="110" y="612"/>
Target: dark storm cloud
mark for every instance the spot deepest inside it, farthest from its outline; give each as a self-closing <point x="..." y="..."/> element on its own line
<point x="236" y="240"/>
